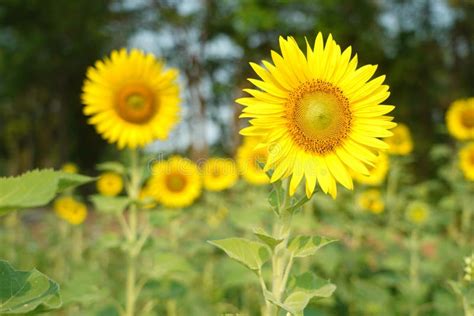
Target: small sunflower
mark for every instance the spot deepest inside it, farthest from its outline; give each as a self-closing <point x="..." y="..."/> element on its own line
<point x="401" y="142"/>
<point x="219" y="174"/>
<point x="460" y="119"/>
<point x="70" y="167"/>
<point x="466" y="161"/>
<point x="110" y="184"/>
<point x="131" y="98"/>
<point x="70" y="210"/>
<point x="176" y="182"/>
<point x="418" y="212"/>
<point x="371" y="200"/>
<point x="248" y="158"/>
<point x="318" y="114"/>
<point x="377" y="173"/>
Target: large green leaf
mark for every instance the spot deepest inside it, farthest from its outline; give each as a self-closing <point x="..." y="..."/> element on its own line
<point x="35" y="188"/>
<point x="24" y="291"/>
<point x="250" y="253"/>
<point x="303" y="246"/>
<point x="110" y="204"/>
<point x="302" y="289"/>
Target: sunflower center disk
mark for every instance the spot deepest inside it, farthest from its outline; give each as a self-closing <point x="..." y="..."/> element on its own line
<point x="319" y="117"/>
<point x="467" y="118"/>
<point x="136" y="104"/>
<point x="175" y="182"/>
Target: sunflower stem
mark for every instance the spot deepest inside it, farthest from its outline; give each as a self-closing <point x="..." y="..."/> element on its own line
<point x="132" y="236"/>
<point x="392" y="187"/>
<point x="281" y="261"/>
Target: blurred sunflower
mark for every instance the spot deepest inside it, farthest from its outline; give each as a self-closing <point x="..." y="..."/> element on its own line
<point x="460" y="119"/>
<point x="248" y="157"/>
<point x="70" y="210"/>
<point x="466" y="161"/>
<point x="70" y="167"/>
<point x="318" y="114"/>
<point x="219" y="174"/>
<point x="401" y="142"/>
<point x="176" y="182"/>
<point x="418" y="212"/>
<point x="372" y="201"/>
<point x="110" y="184"/>
<point x="131" y="99"/>
<point x="377" y="172"/>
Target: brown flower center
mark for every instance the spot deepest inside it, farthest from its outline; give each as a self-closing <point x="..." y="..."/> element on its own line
<point x="175" y="182"/>
<point x="319" y="116"/>
<point x="136" y="104"/>
<point x="467" y="118"/>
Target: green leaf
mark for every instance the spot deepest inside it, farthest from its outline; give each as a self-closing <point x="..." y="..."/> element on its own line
<point x="296" y="207"/>
<point x="113" y="166"/>
<point x="303" y="246"/>
<point x="24" y="291"/>
<point x="303" y="289"/>
<point x="35" y="188"/>
<point x="110" y="204"/>
<point x="250" y="253"/>
<point x="270" y="241"/>
<point x="71" y="180"/>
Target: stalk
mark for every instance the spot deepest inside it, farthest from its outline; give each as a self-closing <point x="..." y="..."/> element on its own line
<point x="392" y="188"/>
<point x="414" y="266"/>
<point x="281" y="261"/>
<point x="132" y="236"/>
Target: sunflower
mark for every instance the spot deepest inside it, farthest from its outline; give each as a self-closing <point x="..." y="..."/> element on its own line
<point x="175" y="182"/>
<point x="371" y="200"/>
<point x="131" y="99"/>
<point x="377" y="172"/>
<point x="248" y="159"/>
<point x="70" y="210"/>
<point x="318" y="114"/>
<point x="466" y="155"/>
<point x="219" y="174"/>
<point x="70" y="167"/>
<point x="460" y="119"/>
<point x="401" y="142"/>
<point x="110" y="184"/>
<point x="418" y="212"/>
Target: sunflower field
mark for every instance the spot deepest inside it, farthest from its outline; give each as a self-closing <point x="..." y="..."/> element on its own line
<point x="237" y="157"/>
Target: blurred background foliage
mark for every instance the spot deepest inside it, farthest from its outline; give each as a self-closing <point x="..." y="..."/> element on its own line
<point x="425" y="47"/>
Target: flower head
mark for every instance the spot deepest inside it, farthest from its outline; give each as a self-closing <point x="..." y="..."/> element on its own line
<point x="466" y="161"/>
<point x="248" y="159"/>
<point x="110" y="184"/>
<point x="131" y="99"/>
<point x="175" y="182"/>
<point x="318" y="114"/>
<point x="70" y="210"/>
<point x="371" y="200"/>
<point x="418" y="212"/>
<point x="70" y="167"/>
<point x="219" y="174"/>
<point x="460" y="119"/>
<point x="401" y="142"/>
